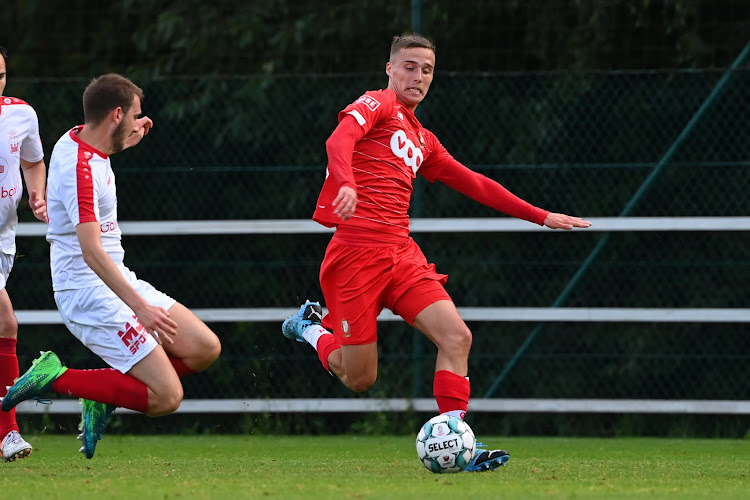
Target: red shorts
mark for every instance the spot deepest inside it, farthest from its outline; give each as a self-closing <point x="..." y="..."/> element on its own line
<point x="359" y="282"/>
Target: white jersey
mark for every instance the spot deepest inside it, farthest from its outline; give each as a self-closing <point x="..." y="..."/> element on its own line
<point x="80" y="188"/>
<point x="19" y="139"/>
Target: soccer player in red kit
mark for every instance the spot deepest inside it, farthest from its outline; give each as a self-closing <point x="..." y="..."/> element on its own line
<point x="20" y="151"/>
<point x="371" y="262"/>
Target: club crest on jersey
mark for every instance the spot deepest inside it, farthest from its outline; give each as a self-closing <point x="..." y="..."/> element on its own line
<point x="345" y="328"/>
<point x="13" y="141"/>
<point x="368" y="101"/>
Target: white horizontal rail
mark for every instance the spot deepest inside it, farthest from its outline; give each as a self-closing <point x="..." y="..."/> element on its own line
<point x="418" y="225"/>
<point x="341" y="405"/>
<point x="520" y="314"/>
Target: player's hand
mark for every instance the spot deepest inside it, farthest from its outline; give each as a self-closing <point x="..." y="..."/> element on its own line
<point x="345" y="203"/>
<point x="142" y="127"/>
<point x="157" y="322"/>
<point x="562" y="221"/>
<point x="38" y="206"/>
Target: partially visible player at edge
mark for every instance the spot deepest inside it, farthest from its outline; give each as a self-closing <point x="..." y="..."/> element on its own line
<point x="20" y="151"/>
<point x="148" y="338"/>
<point x="371" y="262"/>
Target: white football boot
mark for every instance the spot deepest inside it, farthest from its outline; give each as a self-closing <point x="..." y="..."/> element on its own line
<point x="15" y="447"/>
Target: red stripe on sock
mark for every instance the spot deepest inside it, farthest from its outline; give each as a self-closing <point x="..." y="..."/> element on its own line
<point x="451" y="391"/>
<point x="106" y="386"/>
<point x="8" y="373"/>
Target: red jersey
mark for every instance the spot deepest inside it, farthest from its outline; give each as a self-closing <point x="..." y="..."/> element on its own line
<point x="390" y="147"/>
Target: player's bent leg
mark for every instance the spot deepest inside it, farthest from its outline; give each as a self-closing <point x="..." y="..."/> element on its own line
<point x="195" y="343"/>
<point x="164" y="388"/>
<point x="355" y="365"/>
<point x="8" y="321"/>
<point x="441" y="323"/>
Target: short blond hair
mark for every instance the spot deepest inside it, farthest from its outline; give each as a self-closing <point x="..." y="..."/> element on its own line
<point x="410" y="41"/>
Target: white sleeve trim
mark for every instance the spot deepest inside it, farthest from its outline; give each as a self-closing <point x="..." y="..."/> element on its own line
<point x="360" y="119"/>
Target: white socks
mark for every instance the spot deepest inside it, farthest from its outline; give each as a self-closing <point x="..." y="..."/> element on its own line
<point x="313" y="333"/>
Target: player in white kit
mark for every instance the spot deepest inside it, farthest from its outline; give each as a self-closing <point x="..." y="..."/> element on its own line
<point x="148" y="338"/>
<point x="20" y="151"/>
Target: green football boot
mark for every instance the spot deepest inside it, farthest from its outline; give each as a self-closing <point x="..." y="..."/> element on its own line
<point x="94" y="418"/>
<point x="36" y="382"/>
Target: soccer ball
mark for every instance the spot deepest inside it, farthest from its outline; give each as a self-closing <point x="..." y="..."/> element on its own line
<point x="446" y="444"/>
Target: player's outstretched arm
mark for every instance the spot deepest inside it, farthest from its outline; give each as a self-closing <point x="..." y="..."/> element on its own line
<point x="143" y="125"/>
<point x="562" y="221"/>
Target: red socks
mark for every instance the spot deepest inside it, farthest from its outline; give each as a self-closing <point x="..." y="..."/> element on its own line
<point x="326" y="345"/>
<point x="109" y="386"/>
<point x="451" y="391"/>
<point x="8" y="372"/>
<point x="180" y="367"/>
<point x="105" y="385"/>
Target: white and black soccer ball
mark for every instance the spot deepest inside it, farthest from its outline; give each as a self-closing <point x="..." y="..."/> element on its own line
<point x="446" y="444"/>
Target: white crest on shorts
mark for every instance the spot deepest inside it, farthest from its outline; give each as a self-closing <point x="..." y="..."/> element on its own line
<point x="345" y="327"/>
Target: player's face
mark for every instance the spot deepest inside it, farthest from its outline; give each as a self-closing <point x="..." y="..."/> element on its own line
<point x="2" y="75"/>
<point x="410" y="75"/>
<point x="127" y="126"/>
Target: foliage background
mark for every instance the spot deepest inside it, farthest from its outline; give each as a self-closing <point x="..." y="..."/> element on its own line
<point x="570" y="104"/>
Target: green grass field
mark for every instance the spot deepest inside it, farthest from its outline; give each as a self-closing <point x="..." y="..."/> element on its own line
<point x="343" y="467"/>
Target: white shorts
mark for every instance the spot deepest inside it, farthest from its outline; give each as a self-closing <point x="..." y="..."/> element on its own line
<point x="6" y="265"/>
<point x="106" y="325"/>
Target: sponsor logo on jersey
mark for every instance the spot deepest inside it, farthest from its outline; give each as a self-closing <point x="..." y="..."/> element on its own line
<point x="368" y="101"/>
<point x="8" y="193"/>
<point x="108" y="226"/>
<point x="405" y="149"/>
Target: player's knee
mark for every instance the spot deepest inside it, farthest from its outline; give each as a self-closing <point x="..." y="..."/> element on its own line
<point x="362" y="382"/>
<point x="213" y="349"/>
<point x="166" y="403"/>
<point x="459" y="341"/>
<point x="206" y="353"/>
<point x="8" y="325"/>
<point x="465" y="339"/>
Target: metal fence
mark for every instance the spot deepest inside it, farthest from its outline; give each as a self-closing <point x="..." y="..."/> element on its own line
<point x="652" y="144"/>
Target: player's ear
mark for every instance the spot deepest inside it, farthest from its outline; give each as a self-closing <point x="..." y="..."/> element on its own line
<point x="388" y="68"/>
<point x="117" y="114"/>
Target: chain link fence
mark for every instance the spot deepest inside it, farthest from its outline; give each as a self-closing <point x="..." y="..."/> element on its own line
<point x="578" y="143"/>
